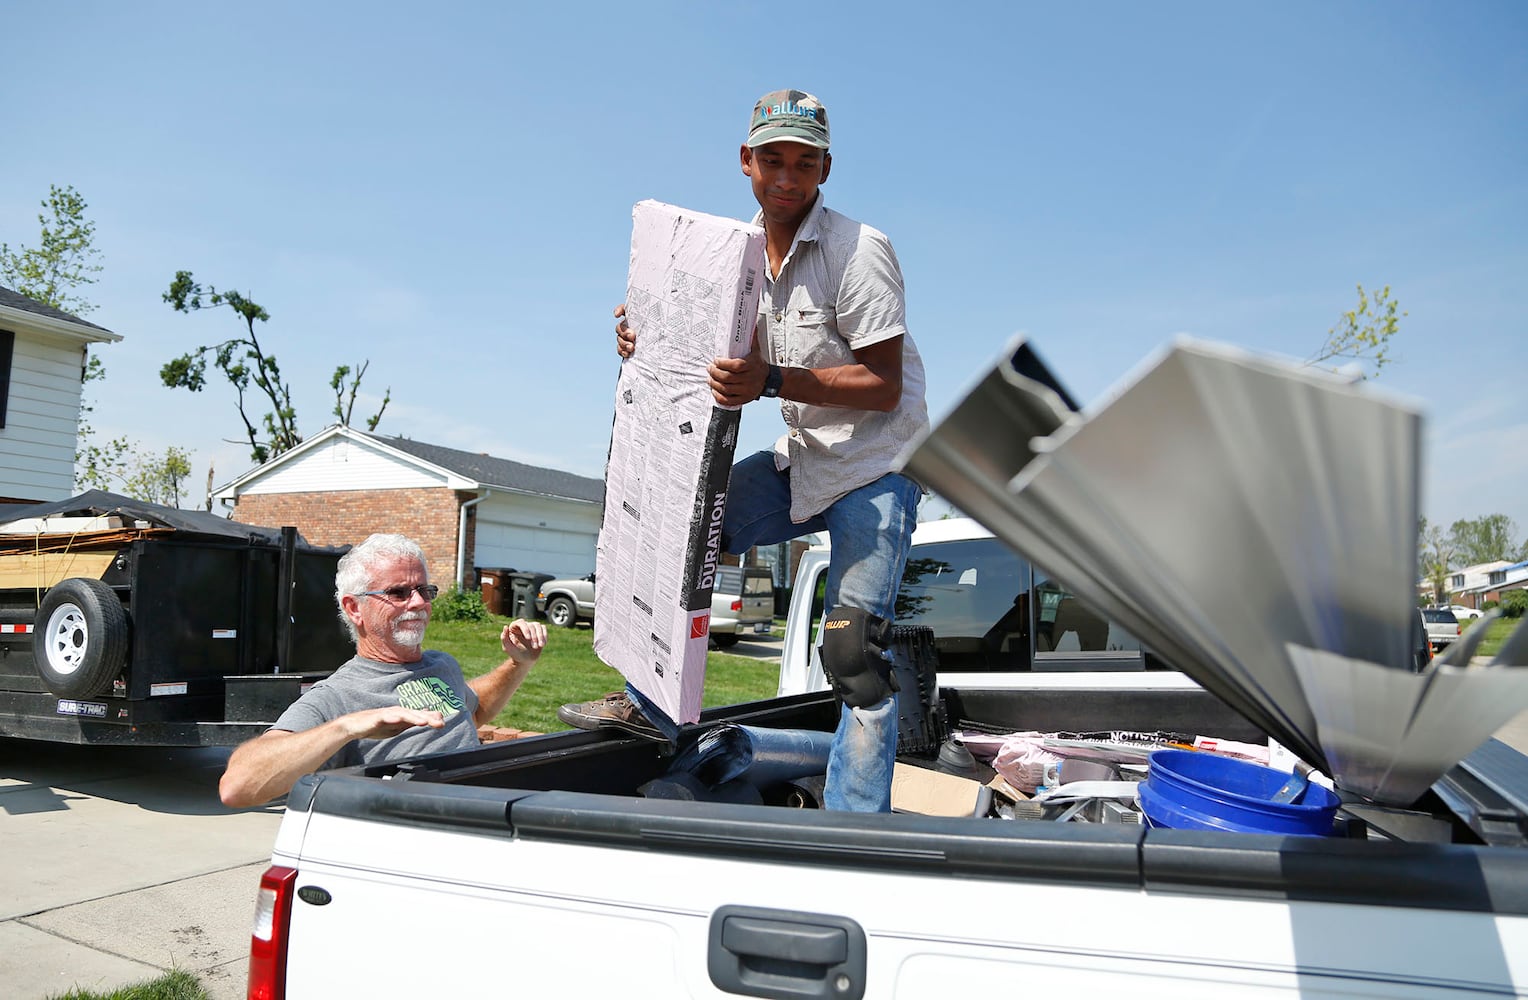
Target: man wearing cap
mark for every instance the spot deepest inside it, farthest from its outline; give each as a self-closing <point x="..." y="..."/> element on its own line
<point x="831" y="344"/>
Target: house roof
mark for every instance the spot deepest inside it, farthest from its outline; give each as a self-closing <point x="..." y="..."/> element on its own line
<point x="464" y="470"/>
<point x="1512" y="574"/>
<point x="20" y="307"/>
<point x="501" y="473"/>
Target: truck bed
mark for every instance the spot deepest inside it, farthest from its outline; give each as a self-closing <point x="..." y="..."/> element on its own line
<point x="541" y="848"/>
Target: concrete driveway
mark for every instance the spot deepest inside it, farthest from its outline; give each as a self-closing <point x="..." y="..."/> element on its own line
<point x="120" y="865"/>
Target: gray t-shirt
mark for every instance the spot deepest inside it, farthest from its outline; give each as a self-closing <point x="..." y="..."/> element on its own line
<point x="435" y="682"/>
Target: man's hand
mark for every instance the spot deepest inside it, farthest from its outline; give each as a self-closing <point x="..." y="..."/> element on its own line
<point x="735" y="381"/>
<point x="523" y="641"/>
<point x="380" y="723"/>
<point x="625" y="336"/>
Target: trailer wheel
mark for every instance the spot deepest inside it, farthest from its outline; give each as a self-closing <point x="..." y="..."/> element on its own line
<point x="80" y="639"/>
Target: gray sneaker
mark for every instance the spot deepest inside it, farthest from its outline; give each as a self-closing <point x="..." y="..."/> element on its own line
<point x="614" y="711"/>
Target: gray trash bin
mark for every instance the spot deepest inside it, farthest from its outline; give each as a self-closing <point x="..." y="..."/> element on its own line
<point x="521" y="602"/>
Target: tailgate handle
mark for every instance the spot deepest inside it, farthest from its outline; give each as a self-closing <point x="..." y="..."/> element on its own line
<point x="786" y="954"/>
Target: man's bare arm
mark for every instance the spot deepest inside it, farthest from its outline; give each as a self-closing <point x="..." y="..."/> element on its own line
<point x="267" y="766"/>
<point x="523" y="642"/>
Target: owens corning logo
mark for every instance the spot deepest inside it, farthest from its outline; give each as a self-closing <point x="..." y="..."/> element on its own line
<point x="789" y="108"/>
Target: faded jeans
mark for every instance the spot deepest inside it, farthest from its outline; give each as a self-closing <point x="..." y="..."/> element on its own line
<point x="870" y="530"/>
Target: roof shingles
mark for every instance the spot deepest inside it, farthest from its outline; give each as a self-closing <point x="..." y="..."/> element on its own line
<point x="501" y="472"/>
<point x="19" y="302"/>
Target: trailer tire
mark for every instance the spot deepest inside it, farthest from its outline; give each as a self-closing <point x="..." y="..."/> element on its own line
<point x="79" y="641"/>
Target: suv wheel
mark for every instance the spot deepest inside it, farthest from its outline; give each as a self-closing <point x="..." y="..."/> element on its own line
<point x="561" y="612"/>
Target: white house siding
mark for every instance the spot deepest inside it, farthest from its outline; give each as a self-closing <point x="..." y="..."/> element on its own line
<point x="344" y="464"/>
<point x="38" y="441"/>
<point x="536" y="534"/>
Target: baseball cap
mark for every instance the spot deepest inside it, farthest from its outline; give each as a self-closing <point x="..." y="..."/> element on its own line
<point x="790" y="116"/>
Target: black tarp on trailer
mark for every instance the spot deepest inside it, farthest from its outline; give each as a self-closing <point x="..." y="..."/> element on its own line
<point x="222" y="625"/>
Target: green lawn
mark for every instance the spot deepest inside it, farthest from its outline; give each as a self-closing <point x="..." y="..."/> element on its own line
<point x="1496" y="634"/>
<point x="569" y="671"/>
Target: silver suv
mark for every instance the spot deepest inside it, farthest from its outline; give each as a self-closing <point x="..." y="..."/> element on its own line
<point x="565" y="602"/>
<point x="742" y="604"/>
<point x="1442" y="626"/>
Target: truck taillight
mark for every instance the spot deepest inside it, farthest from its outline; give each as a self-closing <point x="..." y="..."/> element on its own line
<point x="268" y="942"/>
<point x="737" y="605"/>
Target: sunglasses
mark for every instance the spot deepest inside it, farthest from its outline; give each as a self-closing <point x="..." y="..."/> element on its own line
<point x="400" y="594"/>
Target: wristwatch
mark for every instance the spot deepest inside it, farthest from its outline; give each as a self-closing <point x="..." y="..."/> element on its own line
<point x="773" y="381"/>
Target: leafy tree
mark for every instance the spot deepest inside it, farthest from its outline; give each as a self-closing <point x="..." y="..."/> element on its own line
<point x="159" y="479"/>
<point x="1484" y="539"/>
<point x="1437" y="552"/>
<point x="1514" y="603"/>
<point x="345" y="403"/>
<point x="97" y="465"/>
<point x="245" y="363"/>
<point x="63" y="259"/>
<point x="1363" y="334"/>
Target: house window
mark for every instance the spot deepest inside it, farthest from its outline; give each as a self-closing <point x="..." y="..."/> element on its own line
<point x="7" y="348"/>
<point x="1458" y="580"/>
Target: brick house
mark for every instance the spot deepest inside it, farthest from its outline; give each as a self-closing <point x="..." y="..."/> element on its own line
<point x="467" y="510"/>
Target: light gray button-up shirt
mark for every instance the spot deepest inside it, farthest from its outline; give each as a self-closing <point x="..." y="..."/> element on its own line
<point x="839" y="289"/>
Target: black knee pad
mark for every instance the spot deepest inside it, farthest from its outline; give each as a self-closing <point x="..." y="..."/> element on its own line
<point x="854" y="643"/>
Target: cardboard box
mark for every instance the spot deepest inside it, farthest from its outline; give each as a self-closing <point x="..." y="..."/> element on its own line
<point x="692" y="296"/>
<point x="934" y="793"/>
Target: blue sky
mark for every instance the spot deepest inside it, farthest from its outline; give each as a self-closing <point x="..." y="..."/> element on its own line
<point x="445" y="190"/>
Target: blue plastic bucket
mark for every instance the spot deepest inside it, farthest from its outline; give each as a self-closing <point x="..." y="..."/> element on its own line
<point x="1192" y="790"/>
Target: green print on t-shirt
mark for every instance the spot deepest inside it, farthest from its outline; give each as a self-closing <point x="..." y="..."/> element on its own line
<point x="430" y="694"/>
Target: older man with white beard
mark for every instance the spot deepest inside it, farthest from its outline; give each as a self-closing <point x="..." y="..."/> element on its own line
<point x="394" y="698"/>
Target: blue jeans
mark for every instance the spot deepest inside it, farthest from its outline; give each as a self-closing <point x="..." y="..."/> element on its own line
<point x="870" y="530"/>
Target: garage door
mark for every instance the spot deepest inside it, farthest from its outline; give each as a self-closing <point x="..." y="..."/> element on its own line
<point x="559" y="542"/>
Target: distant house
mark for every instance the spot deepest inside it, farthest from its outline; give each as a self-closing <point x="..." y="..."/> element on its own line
<point x="42" y="367"/>
<point x="1499" y="581"/>
<point x="467" y="510"/>
<point x="1470" y="583"/>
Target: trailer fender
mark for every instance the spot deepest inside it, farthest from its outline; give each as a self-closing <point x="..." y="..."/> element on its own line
<point x="80" y="641"/>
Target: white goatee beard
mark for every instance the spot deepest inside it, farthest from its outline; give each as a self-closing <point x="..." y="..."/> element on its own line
<point x="404" y="634"/>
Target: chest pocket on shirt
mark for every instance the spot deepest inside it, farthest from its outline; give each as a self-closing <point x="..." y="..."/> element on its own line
<point x="812" y="340"/>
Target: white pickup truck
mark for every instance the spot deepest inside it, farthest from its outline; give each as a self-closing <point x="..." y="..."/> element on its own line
<point x="535" y="865"/>
<point x="1250" y="522"/>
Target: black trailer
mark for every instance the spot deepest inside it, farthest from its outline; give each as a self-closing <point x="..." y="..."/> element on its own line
<point x="124" y="622"/>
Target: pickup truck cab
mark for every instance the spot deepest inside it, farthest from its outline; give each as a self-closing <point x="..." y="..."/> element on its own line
<point x="1442" y="626"/>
